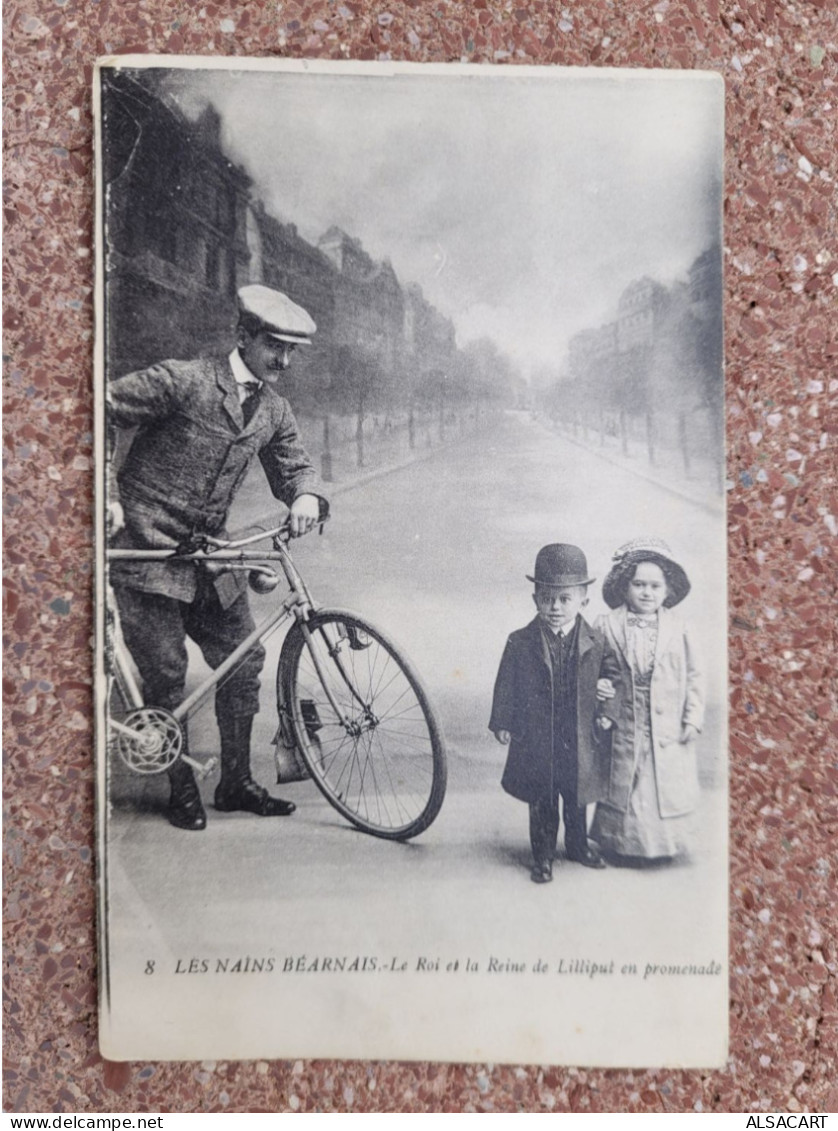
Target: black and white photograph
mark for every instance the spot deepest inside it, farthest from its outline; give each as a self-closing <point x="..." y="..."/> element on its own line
<point x="411" y="574"/>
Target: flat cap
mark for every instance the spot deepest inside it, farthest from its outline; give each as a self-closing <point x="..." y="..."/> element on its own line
<point x="281" y="317"/>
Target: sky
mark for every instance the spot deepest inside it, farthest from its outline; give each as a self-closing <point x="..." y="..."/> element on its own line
<point x="522" y="200"/>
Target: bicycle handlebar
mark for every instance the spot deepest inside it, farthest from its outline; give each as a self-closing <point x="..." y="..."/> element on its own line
<point x="206" y="548"/>
<point x="283" y="531"/>
<point x="278" y="534"/>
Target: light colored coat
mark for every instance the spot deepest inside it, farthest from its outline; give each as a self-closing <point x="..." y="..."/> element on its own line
<point x="677" y="698"/>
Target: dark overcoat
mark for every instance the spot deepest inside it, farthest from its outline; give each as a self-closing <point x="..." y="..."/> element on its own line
<point x="188" y="458"/>
<point x="523" y="705"/>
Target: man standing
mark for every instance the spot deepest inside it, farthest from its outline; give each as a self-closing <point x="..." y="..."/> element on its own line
<point x="200" y="424"/>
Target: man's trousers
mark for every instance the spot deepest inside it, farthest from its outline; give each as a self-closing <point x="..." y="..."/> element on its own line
<point x="544" y="827"/>
<point x="155" y="629"/>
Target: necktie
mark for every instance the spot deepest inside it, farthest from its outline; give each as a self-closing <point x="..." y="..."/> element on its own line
<point x="251" y="401"/>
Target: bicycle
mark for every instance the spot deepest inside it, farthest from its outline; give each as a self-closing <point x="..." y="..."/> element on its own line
<point x="349" y="701"/>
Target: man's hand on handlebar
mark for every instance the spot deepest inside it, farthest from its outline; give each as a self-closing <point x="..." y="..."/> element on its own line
<point x="304" y="515"/>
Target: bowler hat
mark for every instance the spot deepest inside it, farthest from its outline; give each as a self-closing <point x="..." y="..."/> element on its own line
<point x="560" y="565"/>
<point x="281" y="317"/>
<point x="631" y="555"/>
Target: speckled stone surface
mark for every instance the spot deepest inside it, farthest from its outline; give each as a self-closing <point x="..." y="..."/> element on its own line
<point x="779" y="63"/>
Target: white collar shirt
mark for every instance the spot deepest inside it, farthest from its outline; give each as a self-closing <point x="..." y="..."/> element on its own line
<point x="246" y="383"/>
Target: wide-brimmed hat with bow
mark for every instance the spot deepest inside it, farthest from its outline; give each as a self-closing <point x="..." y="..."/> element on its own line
<point x="631" y="555"/>
<point x="559" y="565"/>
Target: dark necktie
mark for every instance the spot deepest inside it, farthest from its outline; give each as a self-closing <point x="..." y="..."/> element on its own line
<point x="251" y="401"/>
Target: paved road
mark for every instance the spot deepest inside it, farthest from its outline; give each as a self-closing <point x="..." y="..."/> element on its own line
<point x="436" y="554"/>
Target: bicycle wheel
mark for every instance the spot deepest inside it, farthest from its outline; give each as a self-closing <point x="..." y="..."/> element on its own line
<point x="363" y="724"/>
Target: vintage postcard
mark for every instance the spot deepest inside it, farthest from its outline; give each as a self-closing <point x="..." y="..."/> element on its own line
<point x="411" y="608"/>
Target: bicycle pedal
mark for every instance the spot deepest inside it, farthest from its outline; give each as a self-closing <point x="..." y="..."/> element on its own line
<point x="201" y="769"/>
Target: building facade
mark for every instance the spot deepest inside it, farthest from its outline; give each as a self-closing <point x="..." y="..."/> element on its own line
<point x="658" y="350"/>
<point x="176" y="216"/>
<point x="184" y="231"/>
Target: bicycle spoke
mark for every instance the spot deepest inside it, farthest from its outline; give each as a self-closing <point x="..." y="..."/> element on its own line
<point x="407" y="690"/>
<point x="349" y="765"/>
<point x="392" y="786"/>
<point x="367" y="765"/>
<point x="374" y="691"/>
<point x="409" y="707"/>
<point x="377" y="759"/>
<point x="343" y="750"/>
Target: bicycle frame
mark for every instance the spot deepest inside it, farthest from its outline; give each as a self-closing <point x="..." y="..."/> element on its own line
<point x="382" y="777"/>
<point x="299" y="602"/>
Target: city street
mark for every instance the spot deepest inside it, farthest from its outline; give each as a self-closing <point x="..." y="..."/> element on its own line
<point x="436" y="555"/>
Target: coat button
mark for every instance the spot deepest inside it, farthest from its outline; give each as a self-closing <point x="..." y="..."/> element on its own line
<point x="658" y="710"/>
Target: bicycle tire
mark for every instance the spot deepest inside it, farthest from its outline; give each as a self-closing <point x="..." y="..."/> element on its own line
<point x="388" y="778"/>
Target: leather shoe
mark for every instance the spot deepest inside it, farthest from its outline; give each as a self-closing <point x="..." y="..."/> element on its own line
<point x="252" y="798"/>
<point x="186" y="810"/>
<point x="588" y="856"/>
<point x="188" y="815"/>
<point x="542" y="873"/>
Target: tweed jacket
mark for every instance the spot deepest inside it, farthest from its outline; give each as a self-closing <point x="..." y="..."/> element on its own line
<point x="523" y="705"/>
<point x="188" y="457"/>
<point x="676" y="697"/>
